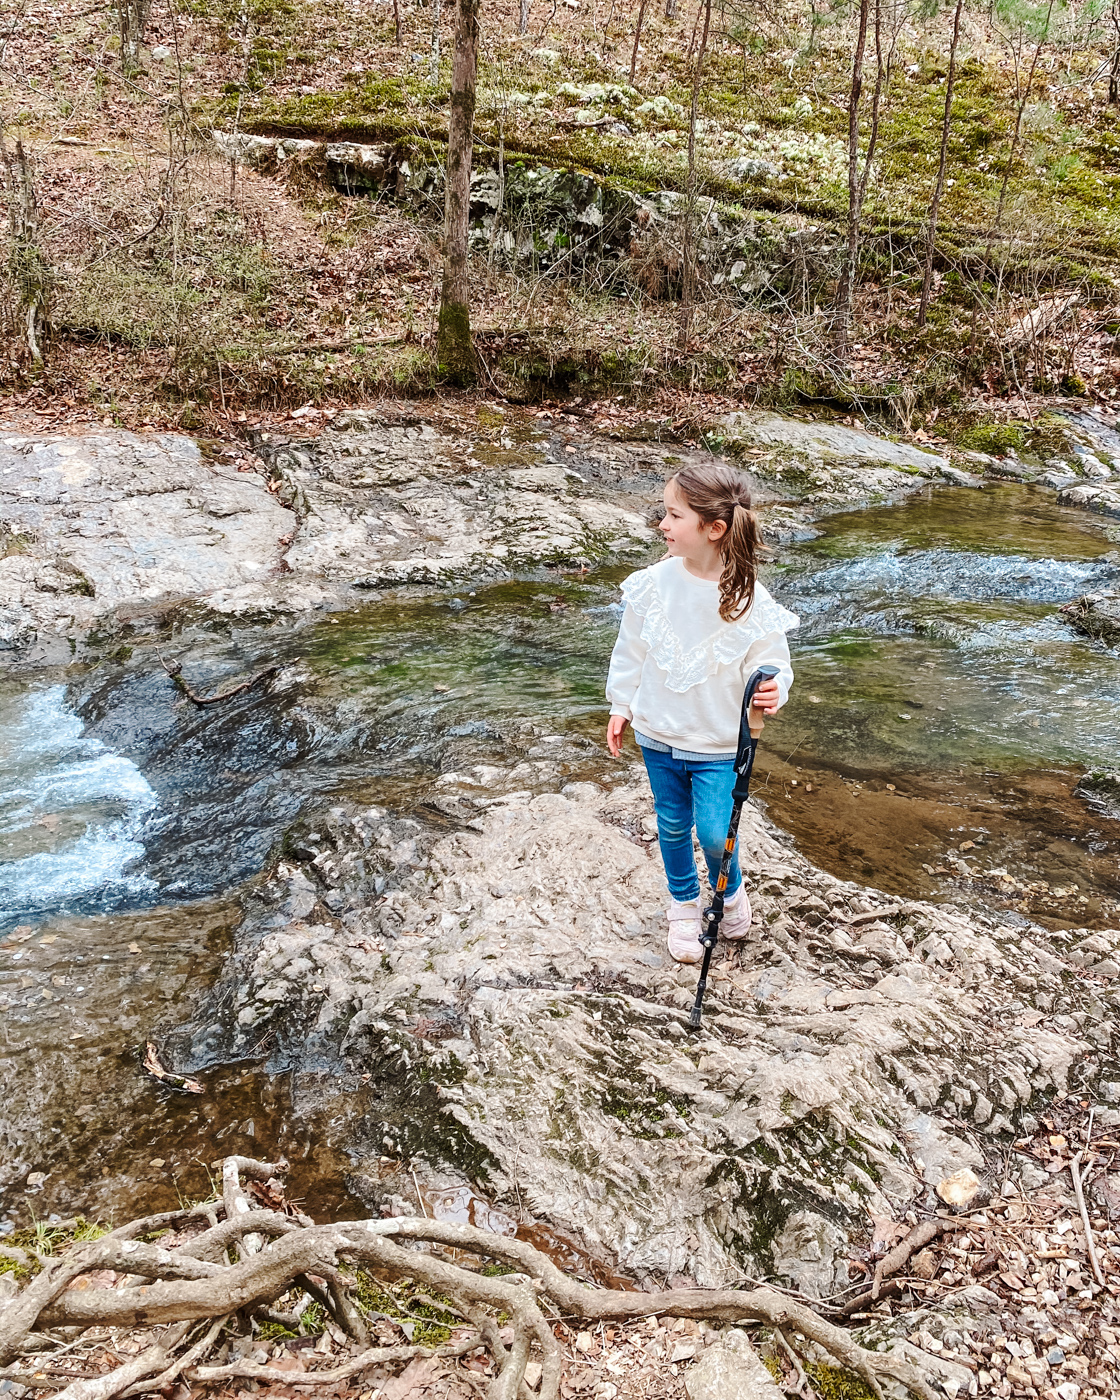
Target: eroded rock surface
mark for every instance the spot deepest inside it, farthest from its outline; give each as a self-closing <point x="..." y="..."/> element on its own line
<point x="829" y="463"/>
<point x="507" y="987"/>
<point x="114" y="522"/>
<point x="93" y="523"/>
<point x="382" y="504"/>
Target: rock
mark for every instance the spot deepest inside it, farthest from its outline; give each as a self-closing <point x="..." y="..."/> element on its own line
<point x="499" y="989"/>
<point x="958" y="478"/>
<point x="830" y="440"/>
<point x="98" y="523"/>
<point x="1099" y="499"/>
<point x="1097" y="615"/>
<point x="383" y="504"/>
<point x="730" y="1370"/>
<point x="1101" y="789"/>
<point x="960" y="1189"/>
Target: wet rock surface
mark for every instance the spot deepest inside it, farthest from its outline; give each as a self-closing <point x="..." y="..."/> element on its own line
<point x="506" y="987"/>
<point x="1097" y="615"/>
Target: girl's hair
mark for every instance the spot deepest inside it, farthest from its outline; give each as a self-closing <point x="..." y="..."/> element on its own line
<point x="718" y="492"/>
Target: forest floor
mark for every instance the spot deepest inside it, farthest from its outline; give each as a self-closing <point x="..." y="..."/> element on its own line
<point x="180" y="283"/>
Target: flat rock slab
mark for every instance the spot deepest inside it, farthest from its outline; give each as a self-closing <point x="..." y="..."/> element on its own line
<point x="1101" y="500"/>
<point x="514" y="974"/>
<point x="831" y="441"/>
<point x="382" y="504"/>
<point x="95" y="523"/>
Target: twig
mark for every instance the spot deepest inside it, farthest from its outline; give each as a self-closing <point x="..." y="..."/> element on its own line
<point x="124" y="1377"/>
<point x="174" y="670"/>
<point x="798" y="1374"/>
<point x="1075" y="1173"/>
<point x="188" y="1358"/>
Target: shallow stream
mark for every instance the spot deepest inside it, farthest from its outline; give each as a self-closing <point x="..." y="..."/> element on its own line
<point x="941" y="701"/>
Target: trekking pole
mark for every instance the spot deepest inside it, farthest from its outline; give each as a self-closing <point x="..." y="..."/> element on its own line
<point x="750" y="727"/>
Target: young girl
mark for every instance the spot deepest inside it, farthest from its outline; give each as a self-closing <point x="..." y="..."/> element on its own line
<point x="697" y="623"/>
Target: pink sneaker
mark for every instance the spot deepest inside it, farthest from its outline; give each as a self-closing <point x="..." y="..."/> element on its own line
<point x="684" y="931"/>
<point x="736" y="915"/>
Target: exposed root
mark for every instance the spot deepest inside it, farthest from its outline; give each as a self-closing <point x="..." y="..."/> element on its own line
<point x="283" y="1259"/>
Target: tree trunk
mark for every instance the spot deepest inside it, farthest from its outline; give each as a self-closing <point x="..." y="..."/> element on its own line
<point x="939" y="183"/>
<point x="523" y="17"/>
<point x="434" y="62"/>
<point x="31" y="272"/>
<point x="1114" y="71"/>
<point x="637" y="40"/>
<point x="1024" y="98"/>
<point x="688" y="261"/>
<point x="846" y="291"/>
<point x="454" y="352"/>
<point x="397" y="21"/>
<point x="670" y="9"/>
<point x="132" y="17"/>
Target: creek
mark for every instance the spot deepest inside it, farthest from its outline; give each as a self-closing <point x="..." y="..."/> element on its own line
<point x="941" y="702"/>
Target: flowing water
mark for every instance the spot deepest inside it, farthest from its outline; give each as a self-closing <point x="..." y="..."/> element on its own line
<point x="941" y="701"/>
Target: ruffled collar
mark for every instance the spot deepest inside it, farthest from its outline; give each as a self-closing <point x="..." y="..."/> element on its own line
<point x="686" y="665"/>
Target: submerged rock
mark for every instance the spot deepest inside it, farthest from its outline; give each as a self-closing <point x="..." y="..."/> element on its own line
<point x="1097" y="615"/>
<point x="507" y="988"/>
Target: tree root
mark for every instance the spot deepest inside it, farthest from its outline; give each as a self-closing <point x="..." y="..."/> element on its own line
<point x="284" y="1258"/>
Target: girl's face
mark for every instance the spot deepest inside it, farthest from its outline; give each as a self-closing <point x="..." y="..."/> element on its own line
<point x="685" y="534"/>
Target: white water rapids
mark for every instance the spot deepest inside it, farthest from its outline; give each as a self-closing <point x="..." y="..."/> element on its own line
<point x="70" y="812"/>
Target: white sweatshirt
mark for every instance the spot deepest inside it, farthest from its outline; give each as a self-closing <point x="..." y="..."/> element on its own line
<point x="678" y="671"/>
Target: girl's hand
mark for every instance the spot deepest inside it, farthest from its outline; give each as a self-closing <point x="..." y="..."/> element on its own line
<point x="616" y="727"/>
<point x="767" y="697"/>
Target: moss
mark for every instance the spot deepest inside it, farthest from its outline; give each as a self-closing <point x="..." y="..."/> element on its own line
<point x="431" y="1325"/>
<point x="832" y="1383"/>
<point x="994" y="438"/>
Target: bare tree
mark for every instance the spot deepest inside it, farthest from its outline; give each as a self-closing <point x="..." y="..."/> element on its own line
<point x="637" y="40"/>
<point x="453" y="345"/>
<point x="30" y="271"/>
<point x="1022" y="93"/>
<point x="132" y="19"/>
<point x="688" y="292"/>
<point x="939" y="183"/>
<point x="1114" y="70"/>
<point x="858" y="177"/>
<point x="523" y="17"/>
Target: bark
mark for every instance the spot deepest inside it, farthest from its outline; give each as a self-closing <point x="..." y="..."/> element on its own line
<point x="688" y="258"/>
<point x="846" y="290"/>
<point x="132" y="19"/>
<point x="670" y="9"/>
<point x="30" y="270"/>
<point x="939" y="183"/>
<point x="454" y="351"/>
<point x="1114" y="71"/>
<point x="523" y="18"/>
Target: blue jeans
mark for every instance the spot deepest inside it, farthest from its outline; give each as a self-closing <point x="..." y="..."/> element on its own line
<point x="688" y="792"/>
